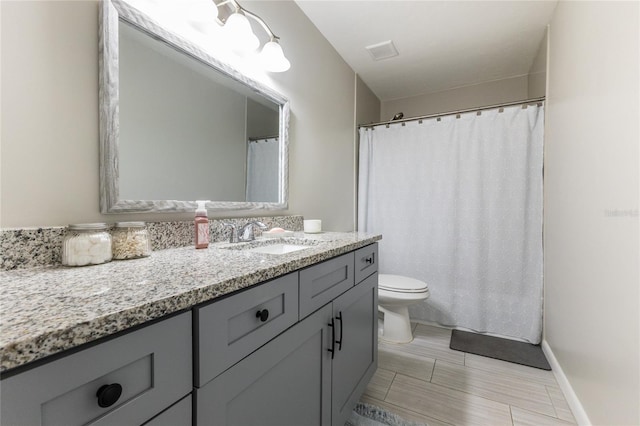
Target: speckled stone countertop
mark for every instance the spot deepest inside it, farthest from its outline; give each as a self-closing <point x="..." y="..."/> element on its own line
<point x="47" y="310"/>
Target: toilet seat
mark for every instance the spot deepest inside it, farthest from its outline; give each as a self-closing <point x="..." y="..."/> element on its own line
<point x="401" y="284"/>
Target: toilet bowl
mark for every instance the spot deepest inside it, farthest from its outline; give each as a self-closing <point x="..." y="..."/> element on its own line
<point x="395" y="294"/>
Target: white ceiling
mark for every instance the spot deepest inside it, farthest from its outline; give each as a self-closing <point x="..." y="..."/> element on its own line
<point x="441" y="44"/>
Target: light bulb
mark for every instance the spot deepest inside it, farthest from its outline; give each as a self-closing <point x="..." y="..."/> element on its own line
<point x="273" y="59"/>
<point x="241" y="38"/>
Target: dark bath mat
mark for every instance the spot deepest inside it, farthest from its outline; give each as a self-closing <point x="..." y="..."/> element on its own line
<point x="498" y="348"/>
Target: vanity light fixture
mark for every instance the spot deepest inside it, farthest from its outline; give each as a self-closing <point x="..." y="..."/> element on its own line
<point x="236" y="25"/>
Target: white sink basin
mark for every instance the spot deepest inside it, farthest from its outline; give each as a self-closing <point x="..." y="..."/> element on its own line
<point x="278" y="249"/>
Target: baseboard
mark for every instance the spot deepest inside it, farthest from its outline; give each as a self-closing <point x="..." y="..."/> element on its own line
<point x="572" y="399"/>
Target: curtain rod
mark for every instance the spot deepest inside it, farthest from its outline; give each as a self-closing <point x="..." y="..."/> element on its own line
<point x="460" y="111"/>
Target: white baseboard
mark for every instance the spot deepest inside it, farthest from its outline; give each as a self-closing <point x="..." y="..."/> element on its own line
<point x="572" y="399"/>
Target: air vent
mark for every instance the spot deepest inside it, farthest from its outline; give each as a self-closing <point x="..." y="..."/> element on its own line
<point x="383" y="50"/>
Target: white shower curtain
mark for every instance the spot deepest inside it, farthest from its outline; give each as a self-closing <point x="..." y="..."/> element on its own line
<point x="459" y="204"/>
<point x="263" y="157"/>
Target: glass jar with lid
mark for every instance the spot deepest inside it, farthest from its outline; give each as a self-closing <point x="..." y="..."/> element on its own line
<point x="130" y="240"/>
<point x="86" y="244"/>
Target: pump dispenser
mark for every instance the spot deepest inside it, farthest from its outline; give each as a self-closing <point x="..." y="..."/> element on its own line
<point x="202" y="225"/>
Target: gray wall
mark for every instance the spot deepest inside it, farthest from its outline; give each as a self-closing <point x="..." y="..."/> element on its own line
<point x="49" y="164"/>
<point x="537" y="78"/>
<point x="367" y="103"/>
<point x="490" y="93"/>
<point x="591" y="206"/>
<point x="321" y="88"/>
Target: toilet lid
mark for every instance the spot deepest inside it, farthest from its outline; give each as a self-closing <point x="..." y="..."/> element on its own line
<point x="401" y="284"/>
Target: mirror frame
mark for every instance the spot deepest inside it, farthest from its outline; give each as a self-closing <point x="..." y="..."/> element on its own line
<point x="111" y="11"/>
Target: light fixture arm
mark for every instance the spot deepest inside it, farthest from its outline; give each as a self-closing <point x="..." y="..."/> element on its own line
<point x="260" y="21"/>
<point x="251" y="15"/>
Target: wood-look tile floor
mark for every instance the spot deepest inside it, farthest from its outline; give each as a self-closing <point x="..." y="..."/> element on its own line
<point x="425" y="381"/>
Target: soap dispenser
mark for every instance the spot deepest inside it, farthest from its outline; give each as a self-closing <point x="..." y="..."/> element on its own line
<point x="202" y="225"/>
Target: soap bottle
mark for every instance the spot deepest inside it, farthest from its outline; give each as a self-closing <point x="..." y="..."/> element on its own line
<point x="202" y="225"/>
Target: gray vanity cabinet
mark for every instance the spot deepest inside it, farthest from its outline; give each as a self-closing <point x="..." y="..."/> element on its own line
<point x="297" y="350"/>
<point x="124" y="381"/>
<point x="314" y="372"/>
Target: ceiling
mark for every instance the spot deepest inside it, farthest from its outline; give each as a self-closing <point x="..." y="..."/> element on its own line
<point x="441" y="44"/>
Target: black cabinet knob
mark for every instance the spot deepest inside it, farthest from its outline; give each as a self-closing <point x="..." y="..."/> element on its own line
<point x="108" y="394"/>
<point x="263" y="315"/>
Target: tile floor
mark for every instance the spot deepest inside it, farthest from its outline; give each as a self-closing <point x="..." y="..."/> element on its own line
<point x="425" y="381"/>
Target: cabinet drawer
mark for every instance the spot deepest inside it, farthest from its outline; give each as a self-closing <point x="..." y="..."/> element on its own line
<point x="152" y="365"/>
<point x="366" y="261"/>
<point x="232" y="328"/>
<point x="321" y="283"/>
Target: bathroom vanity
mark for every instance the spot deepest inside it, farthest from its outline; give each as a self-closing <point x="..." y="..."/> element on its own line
<point x="223" y="336"/>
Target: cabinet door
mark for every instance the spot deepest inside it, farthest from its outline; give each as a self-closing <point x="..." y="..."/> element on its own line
<point x="356" y="357"/>
<point x="286" y="382"/>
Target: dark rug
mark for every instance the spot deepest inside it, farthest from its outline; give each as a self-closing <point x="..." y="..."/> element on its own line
<point x="498" y="348"/>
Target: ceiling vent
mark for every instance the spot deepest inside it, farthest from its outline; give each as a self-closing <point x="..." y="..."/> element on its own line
<point x="383" y="50"/>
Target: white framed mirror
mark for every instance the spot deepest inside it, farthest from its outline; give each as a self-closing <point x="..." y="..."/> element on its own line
<point x="178" y="125"/>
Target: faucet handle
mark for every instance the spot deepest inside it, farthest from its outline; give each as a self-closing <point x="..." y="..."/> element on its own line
<point x="233" y="236"/>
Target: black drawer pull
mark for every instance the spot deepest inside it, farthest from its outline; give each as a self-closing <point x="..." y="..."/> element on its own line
<point x="339" y="342"/>
<point x="263" y="315"/>
<point x="108" y="394"/>
<point x="368" y="260"/>
<point x="333" y="338"/>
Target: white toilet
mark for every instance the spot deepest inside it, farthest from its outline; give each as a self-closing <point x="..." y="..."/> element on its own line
<point x="395" y="294"/>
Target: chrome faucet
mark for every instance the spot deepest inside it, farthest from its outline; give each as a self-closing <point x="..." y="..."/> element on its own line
<point x="245" y="233"/>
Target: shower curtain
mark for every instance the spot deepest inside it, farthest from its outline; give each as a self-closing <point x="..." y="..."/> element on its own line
<point x="263" y="157"/>
<point x="458" y="202"/>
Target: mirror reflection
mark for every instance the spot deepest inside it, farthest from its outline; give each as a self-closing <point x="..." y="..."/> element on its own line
<point x="189" y="133"/>
<point x="178" y="125"/>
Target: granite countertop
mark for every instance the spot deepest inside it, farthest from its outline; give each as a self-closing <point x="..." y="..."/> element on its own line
<point x="47" y="310"/>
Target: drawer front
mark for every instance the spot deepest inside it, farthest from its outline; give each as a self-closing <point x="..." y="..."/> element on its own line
<point x="179" y="414"/>
<point x="151" y="365"/>
<point x="232" y="328"/>
<point x="366" y="261"/>
<point x="321" y="283"/>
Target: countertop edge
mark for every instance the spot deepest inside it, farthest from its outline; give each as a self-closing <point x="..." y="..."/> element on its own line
<point x="22" y="353"/>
